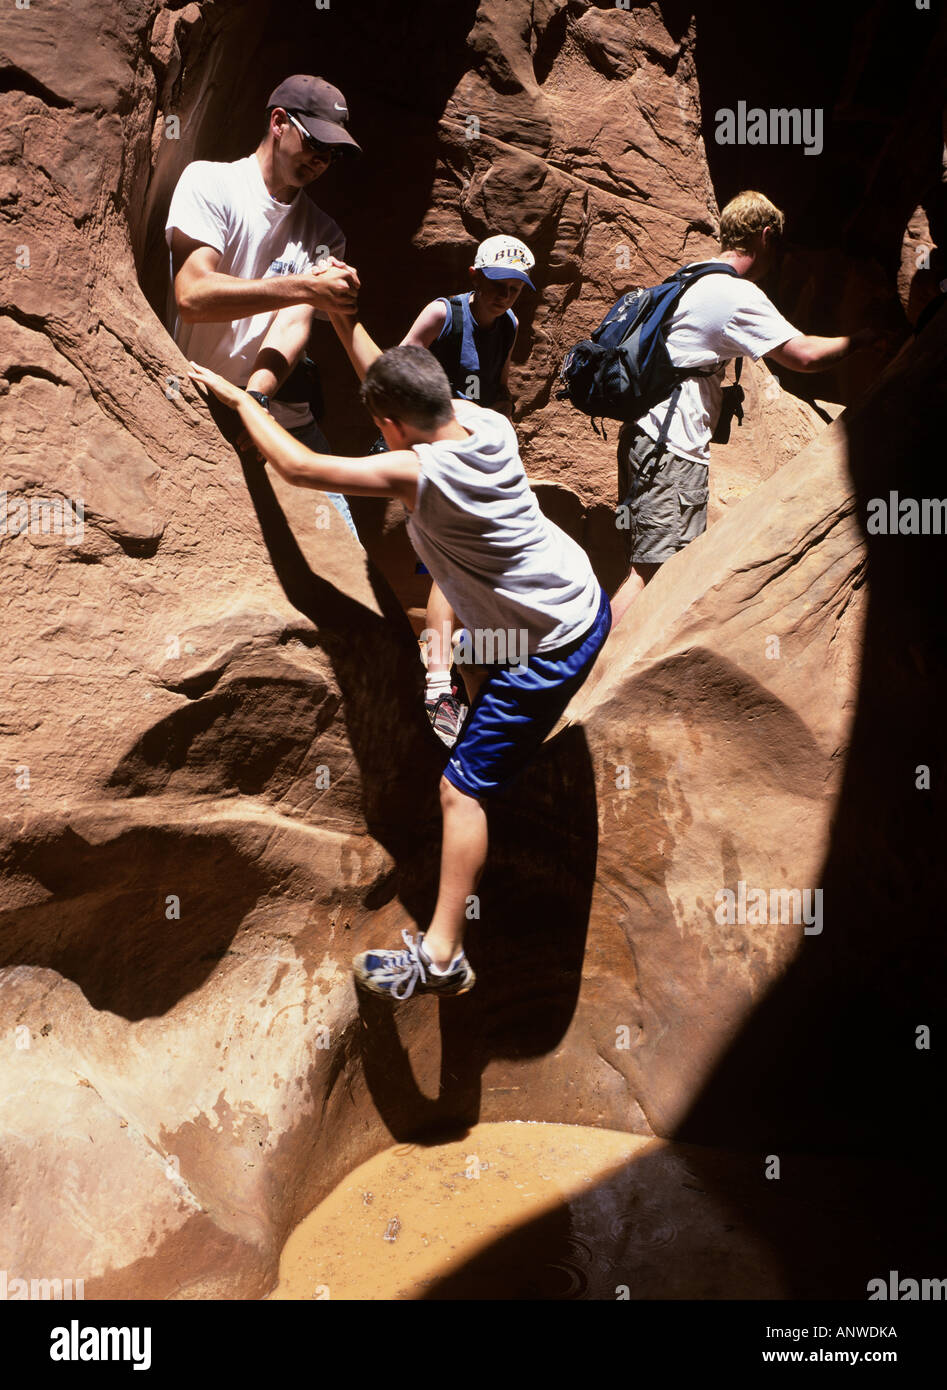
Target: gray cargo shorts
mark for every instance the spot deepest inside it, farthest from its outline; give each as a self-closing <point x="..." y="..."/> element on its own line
<point x="666" y="498"/>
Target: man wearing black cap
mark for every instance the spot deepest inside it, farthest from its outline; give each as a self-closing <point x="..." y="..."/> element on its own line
<point x="254" y="261"/>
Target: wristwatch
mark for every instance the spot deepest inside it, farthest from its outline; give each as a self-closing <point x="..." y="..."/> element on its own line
<point x="259" y="396"/>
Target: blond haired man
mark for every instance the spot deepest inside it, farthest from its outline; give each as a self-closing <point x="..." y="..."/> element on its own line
<point x="663" y="458"/>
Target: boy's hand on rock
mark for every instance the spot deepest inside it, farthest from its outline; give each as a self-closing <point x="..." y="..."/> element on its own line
<point x="224" y="390"/>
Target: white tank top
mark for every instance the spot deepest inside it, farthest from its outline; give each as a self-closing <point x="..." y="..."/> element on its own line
<point x="478" y="528"/>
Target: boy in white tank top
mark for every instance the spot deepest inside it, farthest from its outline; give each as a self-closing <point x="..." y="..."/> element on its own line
<point x="523" y="589"/>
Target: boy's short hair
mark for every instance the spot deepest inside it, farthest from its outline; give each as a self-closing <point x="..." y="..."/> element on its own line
<point x="408" y="383"/>
<point x="744" y="217"/>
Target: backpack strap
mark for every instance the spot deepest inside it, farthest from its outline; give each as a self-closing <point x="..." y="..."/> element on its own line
<point x="687" y="275"/>
<point x="453" y="342"/>
<point x="731" y="407"/>
<point x="509" y="333"/>
<point x="686" y="279"/>
<point x="672" y="406"/>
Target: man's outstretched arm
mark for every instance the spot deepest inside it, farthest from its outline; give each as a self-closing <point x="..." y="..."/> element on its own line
<point x="812" y="354"/>
<point x="204" y="294"/>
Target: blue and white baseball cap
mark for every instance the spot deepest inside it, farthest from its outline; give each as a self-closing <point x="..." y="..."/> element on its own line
<point x="505" y="258"/>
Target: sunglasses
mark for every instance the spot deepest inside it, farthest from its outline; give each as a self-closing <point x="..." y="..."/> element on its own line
<point x="327" y="152"/>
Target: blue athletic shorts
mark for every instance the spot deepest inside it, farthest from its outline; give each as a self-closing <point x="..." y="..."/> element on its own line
<point x="515" y="708"/>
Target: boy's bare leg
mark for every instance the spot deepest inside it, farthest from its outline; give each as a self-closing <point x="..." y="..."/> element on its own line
<point x="638" y="577"/>
<point x="440" y="621"/>
<point x="463" y="855"/>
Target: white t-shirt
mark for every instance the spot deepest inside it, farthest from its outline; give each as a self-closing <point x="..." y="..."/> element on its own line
<point x="228" y="206"/>
<point x="499" y="561"/>
<point x="719" y="317"/>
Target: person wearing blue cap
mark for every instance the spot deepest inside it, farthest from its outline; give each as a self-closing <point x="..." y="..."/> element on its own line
<point x="472" y="335"/>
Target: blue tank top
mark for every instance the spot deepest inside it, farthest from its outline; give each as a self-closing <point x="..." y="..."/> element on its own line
<point x="483" y="351"/>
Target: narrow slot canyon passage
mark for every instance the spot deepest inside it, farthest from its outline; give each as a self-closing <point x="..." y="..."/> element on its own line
<point x="218" y="780"/>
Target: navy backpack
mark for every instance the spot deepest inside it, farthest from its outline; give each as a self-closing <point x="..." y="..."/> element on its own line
<point x="624" y="370"/>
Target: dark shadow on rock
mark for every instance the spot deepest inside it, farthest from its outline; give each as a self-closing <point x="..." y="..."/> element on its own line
<point x="105" y="925"/>
<point x="875" y="83"/>
<point x="375" y="662"/>
<point x="105" y="928"/>
<point x="833" y="1062"/>
<point x="535" y="899"/>
<point x="252" y="735"/>
<point x="527" y="947"/>
<point x="407" y="1113"/>
<point x="683" y="1223"/>
<point x="830" y="1074"/>
<point x="855" y="995"/>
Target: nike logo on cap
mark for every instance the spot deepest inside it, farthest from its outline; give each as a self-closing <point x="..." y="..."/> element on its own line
<point x="340" y="108"/>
